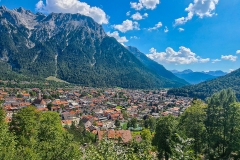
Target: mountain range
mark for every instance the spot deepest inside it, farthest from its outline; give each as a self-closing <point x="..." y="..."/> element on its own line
<point x="206" y="89"/>
<point x="154" y="66"/>
<point x="74" y="48"/>
<point x="217" y="73"/>
<point x="197" y="77"/>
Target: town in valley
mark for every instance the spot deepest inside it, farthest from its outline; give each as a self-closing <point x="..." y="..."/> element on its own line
<point x="100" y="110"/>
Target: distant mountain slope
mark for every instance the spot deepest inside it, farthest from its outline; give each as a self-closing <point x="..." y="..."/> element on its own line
<point x="71" y="47"/>
<point x="158" y="68"/>
<point x="182" y="72"/>
<point x="195" y="77"/>
<point x="216" y="73"/>
<point x="206" y="89"/>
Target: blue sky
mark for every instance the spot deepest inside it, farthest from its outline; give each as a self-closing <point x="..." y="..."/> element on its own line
<point x="180" y="34"/>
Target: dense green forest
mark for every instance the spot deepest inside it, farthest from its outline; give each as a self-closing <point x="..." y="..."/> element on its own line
<point x="208" y="130"/>
<point x="16" y="80"/>
<point x="82" y="54"/>
<point x="206" y="89"/>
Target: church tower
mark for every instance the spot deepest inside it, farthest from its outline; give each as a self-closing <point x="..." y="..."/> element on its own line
<point x="39" y="96"/>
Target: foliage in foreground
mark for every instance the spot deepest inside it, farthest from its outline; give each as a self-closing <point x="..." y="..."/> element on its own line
<point x="204" y="131"/>
<point x="108" y="150"/>
<point x="35" y="135"/>
<point x="210" y="131"/>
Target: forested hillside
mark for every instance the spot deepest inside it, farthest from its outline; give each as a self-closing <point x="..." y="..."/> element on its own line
<point x="206" y="89"/>
<point x="195" y="77"/>
<point x="71" y="47"/>
<point x="154" y="66"/>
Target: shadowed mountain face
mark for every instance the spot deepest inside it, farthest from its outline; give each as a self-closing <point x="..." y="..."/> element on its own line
<point x="154" y="66"/>
<point x="216" y="73"/>
<point x="193" y="77"/>
<point x="71" y="47"/>
<point x="198" y="77"/>
<point x="206" y="89"/>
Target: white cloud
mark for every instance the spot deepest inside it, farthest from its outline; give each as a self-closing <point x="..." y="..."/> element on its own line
<point x="200" y="8"/>
<point x="183" y="56"/>
<point x="180" y="29"/>
<point x="127" y="25"/>
<point x="73" y="6"/>
<point x="238" y="52"/>
<point x="183" y="20"/>
<point x="115" y="34"/>
<point x="231" y="70"/>
<point x="40" y="7"/>
<point x="216" y="60"/>
<point x="134" y="37"/>
<point x="136" y="6"/>
<point x="128" y="13"/>
<point x="203" y="8"/>
<point x="138" y="16"/>
<point x="148" y="4"/>
<point x="158" y="25"/>
<point x="203" y="60"/>
<point x="166" y="30"/>
<point x="229" y="57"/>
<point x="145" y="15"/>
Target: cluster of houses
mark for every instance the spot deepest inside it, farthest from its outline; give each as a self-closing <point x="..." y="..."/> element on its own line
<point x="98" y="109"/>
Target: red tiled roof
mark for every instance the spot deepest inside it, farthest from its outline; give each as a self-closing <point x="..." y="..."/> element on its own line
<point x="99" y="124"/>
<point x="111" y="134"/>
<point x="135" y="107"/>
<point x="42" y="109"/>
<point x="72" y="112"/>
<point x="94" y="131"/>
<point x="60" y="91"/>
<point x="43" y="102"/>
<point x="165" y="113"/>
<point x="66" y="122"/>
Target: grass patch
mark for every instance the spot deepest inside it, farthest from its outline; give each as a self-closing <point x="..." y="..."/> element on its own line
<point x="124" y="126"/>
<point x="134" y="133"/>
<point x="119" y="107"/>
<point x="51" y="78"/>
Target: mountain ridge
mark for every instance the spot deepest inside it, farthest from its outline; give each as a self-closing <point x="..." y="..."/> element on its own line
<point x="71" y="47"/>
<point x="152" y="65"/>
<point x="216" y="73"/>
<point x="198" y="77"/>
<point x="206" y="89"/>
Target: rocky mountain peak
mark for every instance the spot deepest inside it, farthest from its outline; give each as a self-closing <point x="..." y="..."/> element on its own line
<point x="3" y="8"/>
<point x="187" y="71"/>
<point x="47" y="26"/>
<point x="22" y="10"/>
<point x="19" y="17"/>
<point x="74" y="48"/>
<point x="133" y="49"/>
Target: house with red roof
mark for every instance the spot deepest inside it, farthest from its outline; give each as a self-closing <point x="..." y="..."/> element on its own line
<point x="123" y="135"/>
